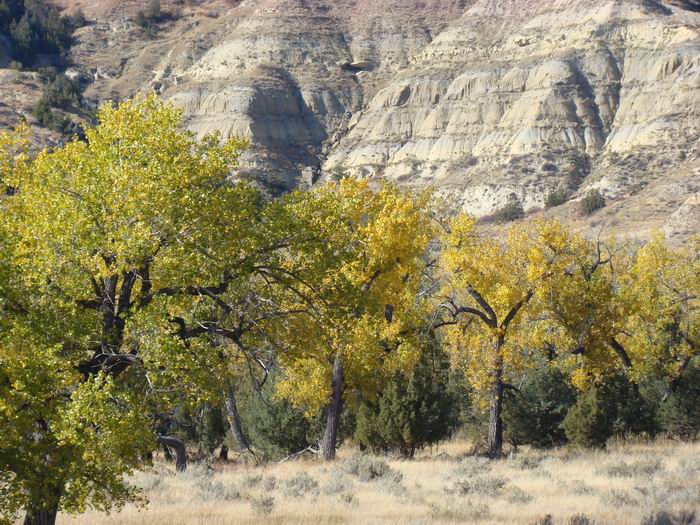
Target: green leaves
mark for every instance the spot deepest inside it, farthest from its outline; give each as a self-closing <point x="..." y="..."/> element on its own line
<point x="104" y="242"/>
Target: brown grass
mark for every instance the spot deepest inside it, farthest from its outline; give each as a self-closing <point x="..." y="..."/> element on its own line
<point x="621" y="485"/>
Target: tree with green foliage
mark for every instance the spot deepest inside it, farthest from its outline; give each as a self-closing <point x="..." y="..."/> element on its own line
<point x="556" y="197"/>
<point x="105" y="242"/>
<point x="274" y="426"/>
<point x="679" y="413"/>
<point x="511" y="211"/>
<point x="37" y="27"/>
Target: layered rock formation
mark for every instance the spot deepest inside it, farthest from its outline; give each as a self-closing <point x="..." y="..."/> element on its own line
<point x="524" y="97"/>
<point x="481" y="99"/>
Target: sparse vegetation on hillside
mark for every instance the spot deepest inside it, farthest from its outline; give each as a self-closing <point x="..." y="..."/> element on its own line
<point x="556" y="198"/>
<point x="510" y="211"/>
<point x="36" y="27"/>
<point x="592" y="202"/>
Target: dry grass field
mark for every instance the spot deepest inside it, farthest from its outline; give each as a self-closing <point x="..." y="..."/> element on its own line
<point x="629" y="483"/>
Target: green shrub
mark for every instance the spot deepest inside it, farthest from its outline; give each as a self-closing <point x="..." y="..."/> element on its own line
<point x="369" y="468"/>
<point x="612" y="408"/>
<point x="276" y="428"/>
<point x="299" y="485"/>
<point x="53" y="120"/>
<point x="511" y="211"/>
<point x="61" y="91"/>
<point x="556" y="198"/>
<point x="413" y="411"/>
<point x="36" y="27"/>
<point x="211" y="428"/>
<point x="148" y="17"/>
<point x="263" y="505"/>
<point x="593" y="201"/>
<point x="534" y="415"/>
<point x="679" y="414"/>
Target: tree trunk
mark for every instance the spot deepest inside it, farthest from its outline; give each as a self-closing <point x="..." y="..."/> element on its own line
<point x="234" y="420"/>
<point x="180" y="451"/>
<point x="168" y="455"/>
<point x="41" y="517"/>
<point x="46" y="512"/>
<point x="495" y="437"/>
<point x="335" y="406"/>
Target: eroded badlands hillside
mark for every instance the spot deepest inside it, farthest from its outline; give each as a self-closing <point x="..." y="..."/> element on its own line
<point x="480" y="98"/>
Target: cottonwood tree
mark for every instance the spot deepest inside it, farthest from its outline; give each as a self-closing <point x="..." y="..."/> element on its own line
<point x="247" y="325"/>
<point x="664" y="334"/>
<point x="632" y="310"/>
<point x="493" y="291"/>
<point x="358" y="277"/>
<point x="106" y="241"/>
<point x="587" y="310"/>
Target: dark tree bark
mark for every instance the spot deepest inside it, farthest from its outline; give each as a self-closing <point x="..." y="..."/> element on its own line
<point x="180" y="451"/>
<point x="41" y="517"/>
<point x="234" y="420"/>
<point x="495" y="435"/>
<point x="46" y="512"/>
<point x="624" y="358"/>
<point x="329" y="441"/>
<point x="168" y="455"/>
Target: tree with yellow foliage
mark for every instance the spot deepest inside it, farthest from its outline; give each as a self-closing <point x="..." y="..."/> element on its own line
<point x="358" y="276"/>
<point x="664" y="334"/>
<point x="105" y="242"/>
<point x="493" y="291"/>
<point x="634" y="309"/>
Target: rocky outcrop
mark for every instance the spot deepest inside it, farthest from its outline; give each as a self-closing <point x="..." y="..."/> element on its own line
<point x="525" y="97"/>
<point x="481" y="99"/>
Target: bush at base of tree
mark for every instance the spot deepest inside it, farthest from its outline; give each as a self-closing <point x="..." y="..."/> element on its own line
<point x="276" y="428"/>
<point x="533" y="416"/>
<point x="412" y="412"/>
<point x="679" y="414"/>
<point x="612" y="408"/>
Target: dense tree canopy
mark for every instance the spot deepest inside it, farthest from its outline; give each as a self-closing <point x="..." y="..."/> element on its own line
<point x="494" y="289"/>
<point x="105" y="241"/>
<point x="139" y="279"/>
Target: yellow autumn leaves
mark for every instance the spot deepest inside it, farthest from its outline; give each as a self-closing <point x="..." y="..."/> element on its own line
<point x="139" y="247"/>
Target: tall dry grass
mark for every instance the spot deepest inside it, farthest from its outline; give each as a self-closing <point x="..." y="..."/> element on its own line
<point x="629" y="483"/>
